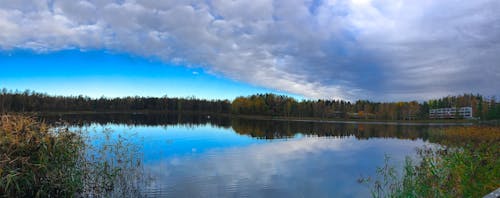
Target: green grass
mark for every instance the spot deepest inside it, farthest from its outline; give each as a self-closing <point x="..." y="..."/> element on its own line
<point x="466" y="164"/>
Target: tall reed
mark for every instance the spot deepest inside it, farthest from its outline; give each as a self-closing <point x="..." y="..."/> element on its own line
<point x="38" y="160"/>
<point x="466" y="163"/>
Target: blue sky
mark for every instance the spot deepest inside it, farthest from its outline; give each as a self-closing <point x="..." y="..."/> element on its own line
<point x="101" y="73"/>
<point x="381" y="50"/>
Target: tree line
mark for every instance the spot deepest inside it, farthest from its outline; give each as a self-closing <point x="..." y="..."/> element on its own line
<point x="258" y="104"/>
<point x="279" y="105"/>
<point x="29" y="101"/>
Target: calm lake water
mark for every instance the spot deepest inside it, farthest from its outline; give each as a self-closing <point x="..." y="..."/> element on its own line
<point x="207" y="156"/>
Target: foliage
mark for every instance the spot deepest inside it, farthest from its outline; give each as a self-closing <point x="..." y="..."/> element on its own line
<point x="38" y="160"/>
<point x="276" y="105"/>
<point x="259" y="104"/>
<point x="467" y="164"/>
<point x="28" y="101"/>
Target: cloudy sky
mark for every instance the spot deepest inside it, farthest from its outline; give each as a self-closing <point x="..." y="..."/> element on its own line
<point x="348" y="49"/>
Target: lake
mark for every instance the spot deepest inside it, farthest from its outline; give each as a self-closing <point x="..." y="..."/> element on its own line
<point x="200" y="155"/>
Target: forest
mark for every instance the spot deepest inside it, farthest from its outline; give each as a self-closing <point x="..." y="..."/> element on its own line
<point x="254" y="105"/>
<point x="276" y="105"/>
<point x="29" y="101"/>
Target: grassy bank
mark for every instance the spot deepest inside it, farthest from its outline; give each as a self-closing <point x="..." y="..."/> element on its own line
<point x="467" y="164"/>
<point x="38" y="160"/>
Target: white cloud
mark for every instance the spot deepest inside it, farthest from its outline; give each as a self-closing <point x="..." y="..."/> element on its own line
<point x="376" y="49"/>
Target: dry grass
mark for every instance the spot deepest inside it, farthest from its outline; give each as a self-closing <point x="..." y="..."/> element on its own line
<point x="37" y="160"/>
<point x="466" y="135"/>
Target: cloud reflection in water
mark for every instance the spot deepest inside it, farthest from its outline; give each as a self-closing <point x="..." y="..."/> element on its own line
<point x="301" y="167"/>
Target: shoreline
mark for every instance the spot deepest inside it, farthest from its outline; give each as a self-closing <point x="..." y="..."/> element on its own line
<point x="362" y="121"/>
<point x="280" y="118"/>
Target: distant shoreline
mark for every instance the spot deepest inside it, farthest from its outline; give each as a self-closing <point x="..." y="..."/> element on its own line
<point x="279" y="118"/>
<point x="360" y="121"/>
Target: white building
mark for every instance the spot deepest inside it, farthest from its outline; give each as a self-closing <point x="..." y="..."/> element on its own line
<point x="451" y="113"/>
